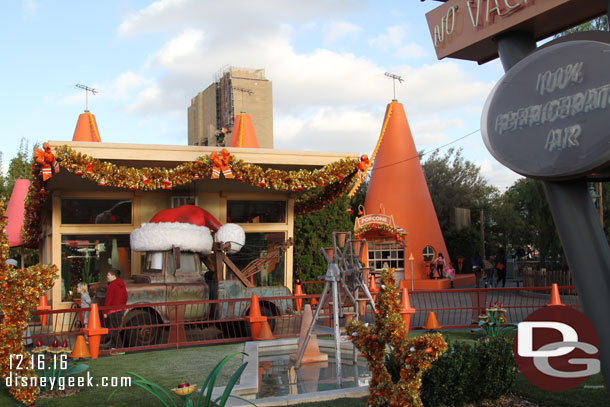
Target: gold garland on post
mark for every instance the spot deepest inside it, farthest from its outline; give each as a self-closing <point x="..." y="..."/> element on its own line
<point x="413" y="355"/>
<point x="330" y="181"/>
<point x="20" y="290"/>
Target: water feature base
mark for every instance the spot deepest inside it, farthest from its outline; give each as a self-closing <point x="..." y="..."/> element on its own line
<point x="270" y="378"/>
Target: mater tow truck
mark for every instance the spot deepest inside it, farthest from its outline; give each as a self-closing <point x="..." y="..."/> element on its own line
<point x="184" y="263"/>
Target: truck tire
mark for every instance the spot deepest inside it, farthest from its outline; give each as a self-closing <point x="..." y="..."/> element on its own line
<point x="137" y="333"/>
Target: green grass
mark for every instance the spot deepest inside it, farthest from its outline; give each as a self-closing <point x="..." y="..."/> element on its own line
<point x="170" y="367"/>
<point x="167" y="368"/>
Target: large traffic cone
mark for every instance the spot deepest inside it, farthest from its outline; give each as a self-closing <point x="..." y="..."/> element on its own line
<point x="555" y="299"/>
<point x="43" y="306"/>
<point x="81" y="350"/>
<point x="432" y="322"/>
<point x="94" y="331"/>
<point x="265" y="332"/>
<point x="312" y="351"/>
<point x="373" y="288"/>
<point x="255" y="318"/>
<point x="406" y="309"/>
<point x="298" y="292"/>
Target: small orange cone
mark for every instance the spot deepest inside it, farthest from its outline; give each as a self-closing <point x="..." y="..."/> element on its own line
<point x="312" y="351"/>
<point x="373" y="288"/>
<point x="43" y="306"/>
<point x="314" y="302"/>
<point x="265" y="332"/>
<point x="406" y="309"/>
<point x="81" y="350"/>
<point x="94" y="331"/>
<point x="255" y="318"/>
<point x="432" y="322"/>
<point x="298" y="292"/>
<point x="555" y="299"/>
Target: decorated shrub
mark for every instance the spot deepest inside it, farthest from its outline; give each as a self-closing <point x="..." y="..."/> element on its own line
<point x="411" y="356"/>
<point x="467" y="373"/>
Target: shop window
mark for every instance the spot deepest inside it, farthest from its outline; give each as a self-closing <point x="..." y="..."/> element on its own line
<point x="386" y="252"/>
<point x="98" y="211"/>
<point x="256" y="211"/>
<point x="259" y="245"/>
<point x="89" y="257"/>
<point x="428" y="253"/>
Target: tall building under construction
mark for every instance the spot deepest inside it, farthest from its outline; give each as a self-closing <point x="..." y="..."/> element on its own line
<point x="212" y="113"/>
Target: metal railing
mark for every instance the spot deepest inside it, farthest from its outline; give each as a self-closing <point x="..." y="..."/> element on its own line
<point x="190" y="323"/>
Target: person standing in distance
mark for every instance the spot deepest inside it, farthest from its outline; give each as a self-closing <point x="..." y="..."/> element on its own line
<point x="116" y="297"/>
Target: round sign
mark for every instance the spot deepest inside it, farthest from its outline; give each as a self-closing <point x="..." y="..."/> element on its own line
<point x="549" y="115"/>
<point x="556" y="348"/>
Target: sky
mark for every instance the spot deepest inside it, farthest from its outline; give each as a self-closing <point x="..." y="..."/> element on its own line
<point x="326" y="60"/>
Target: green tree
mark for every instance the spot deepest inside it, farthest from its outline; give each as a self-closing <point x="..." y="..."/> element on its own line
<point x="314" y="231"/>
<point x="523" y="213"/>
<point x="597" y="24"/>
<point x="20" y="166"/>
<point x="455" y="182"/>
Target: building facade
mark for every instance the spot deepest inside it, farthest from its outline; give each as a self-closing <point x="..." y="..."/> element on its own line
<point x="212" y="113"/>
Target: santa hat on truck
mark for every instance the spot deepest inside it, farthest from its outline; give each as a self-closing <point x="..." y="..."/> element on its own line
<point x="187" y="227"/>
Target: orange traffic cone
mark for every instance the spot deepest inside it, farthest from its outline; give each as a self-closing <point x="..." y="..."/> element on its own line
<point x="81" y="350"/>
<point x="298" y="292"/>
<point x="312" y="351"/>
<point x="265" y="332"/>
<point x="432" y="322"/>
<point x="94" y="331"/>
<point x="373" y="288"/>
<point x="314" y="302"/>
<point x="555" y="299"/>
<point x="43" y="306"/>
<point x="406" y="309"/>
<point x="255" y="318"/>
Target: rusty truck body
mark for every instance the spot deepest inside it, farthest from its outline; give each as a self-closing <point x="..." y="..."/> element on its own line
<point x="176" y="275"/>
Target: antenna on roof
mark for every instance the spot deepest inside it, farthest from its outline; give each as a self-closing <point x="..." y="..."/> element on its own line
<point x="243" y="90"/>
<point x="87" y="89"/>
<point x="394" y="79"/>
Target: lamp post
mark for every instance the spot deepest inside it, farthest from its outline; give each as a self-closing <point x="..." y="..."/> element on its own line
<point x="412" y="259"/>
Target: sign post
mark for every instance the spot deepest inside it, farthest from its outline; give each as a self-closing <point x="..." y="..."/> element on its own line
<point x="559" y="133"/>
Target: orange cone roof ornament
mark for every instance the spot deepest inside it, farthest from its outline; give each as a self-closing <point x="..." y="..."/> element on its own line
<point x="398" y="184"/>
<point x="86" y="128"/>
<point x="243" y="134"/>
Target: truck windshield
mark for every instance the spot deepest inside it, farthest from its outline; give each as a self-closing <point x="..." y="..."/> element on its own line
<point x="187" y="263"/>
<point x="154" y="262"/>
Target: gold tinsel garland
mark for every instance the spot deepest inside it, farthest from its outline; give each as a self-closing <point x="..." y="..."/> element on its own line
<point x="20" y="290"/>
<point x="413" y="355"/>
<point x="329" y="182"/>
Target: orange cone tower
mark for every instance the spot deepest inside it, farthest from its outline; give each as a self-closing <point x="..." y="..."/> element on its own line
<point x="243" y="134"/>
<point x="398" y="183"/>
<point x="86" y="128"/>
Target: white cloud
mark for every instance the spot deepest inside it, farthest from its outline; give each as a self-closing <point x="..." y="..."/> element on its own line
<point x="391" y="39"/>
<point x="169" y="15"/>
<point x="338" y="30"/>
<point x="412" y="50"/>
<point x="499" y="175"/>
<point x="432" y="131"/>
<point x="30" y="8"/>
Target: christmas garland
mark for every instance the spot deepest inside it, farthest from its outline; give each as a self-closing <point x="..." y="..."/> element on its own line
<point x="413" y="355"/>
<point x="377" y="226"/>
<point x="20" y="290"/>
<point x="330" y="181"/>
